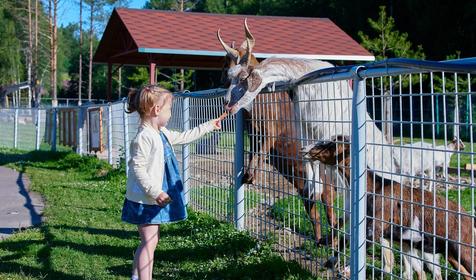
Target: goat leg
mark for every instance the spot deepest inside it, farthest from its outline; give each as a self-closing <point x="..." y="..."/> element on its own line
<point x="328" y="196"/>
<point x="388" y="258"/>
<point x="311" y="193"/>
<point x="312" y="210"/>
<point x="459" y="267"/>
<point x="375" y="230"/>
<point x="258" y="160"/>
<point x="255" y="156"/>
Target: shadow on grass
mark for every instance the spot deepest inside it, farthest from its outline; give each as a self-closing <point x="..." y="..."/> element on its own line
<point x="21" y="249"/>
<point x="231" y="247"/>
<point x="16" y="156"/>
<point x="9" y="267"/>
<point x="119" y="233"/>
<point x="12" y="263"/>
<point x="176" y="264"/>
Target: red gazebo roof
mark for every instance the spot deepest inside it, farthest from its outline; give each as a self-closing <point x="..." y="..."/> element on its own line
<point x="188" y="40"/>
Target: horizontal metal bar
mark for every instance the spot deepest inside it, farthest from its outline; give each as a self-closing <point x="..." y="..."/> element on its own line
<point x="464" y="66"/>
<point x="389" y="67"/>
<point x="203" y="94"/>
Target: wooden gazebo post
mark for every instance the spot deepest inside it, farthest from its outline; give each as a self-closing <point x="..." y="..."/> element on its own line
<point x="152" y="79"/>
<point x="109" y="81"/>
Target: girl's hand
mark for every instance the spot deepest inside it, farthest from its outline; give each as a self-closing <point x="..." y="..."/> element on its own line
<point x="217" y="122"/>
<point x="163" y="199"/>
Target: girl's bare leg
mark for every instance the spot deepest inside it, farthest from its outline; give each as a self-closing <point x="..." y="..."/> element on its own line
<point x="144" y="256"/>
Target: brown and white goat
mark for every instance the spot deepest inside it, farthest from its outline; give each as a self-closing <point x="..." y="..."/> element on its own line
<point x="322" y="110"/>
<point x="393" y="210"/>
<point x="272" y="130"/>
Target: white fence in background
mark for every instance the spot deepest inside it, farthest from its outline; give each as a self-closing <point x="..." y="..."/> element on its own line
<point x="401" y="205"/>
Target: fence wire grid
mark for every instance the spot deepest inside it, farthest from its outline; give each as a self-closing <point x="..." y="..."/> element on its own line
<point x="386" y="191"/>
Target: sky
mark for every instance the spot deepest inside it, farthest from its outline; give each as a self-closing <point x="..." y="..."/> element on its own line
<point x="68" y="10"/>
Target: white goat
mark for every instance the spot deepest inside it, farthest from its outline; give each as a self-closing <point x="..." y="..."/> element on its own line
<point x="443" y="153"/>
<point x="421" y="158"/>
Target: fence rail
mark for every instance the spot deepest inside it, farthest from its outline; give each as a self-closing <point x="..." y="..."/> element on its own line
<point x="400" y="190"/>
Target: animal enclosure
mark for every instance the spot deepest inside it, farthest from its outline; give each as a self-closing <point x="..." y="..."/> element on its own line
<point x="398" y="200"/>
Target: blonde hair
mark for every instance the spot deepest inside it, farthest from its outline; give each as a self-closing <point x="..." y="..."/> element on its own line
<point x="143" y="100"/>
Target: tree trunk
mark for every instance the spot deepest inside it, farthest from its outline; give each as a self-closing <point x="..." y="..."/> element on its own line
<point x="34" y="83"/>
<point x="52" y="12"/>
<point x="55" y="52"/>
<point x="80" y="82"/>
<point x="30" y="53"/>
<point x="456" y="118"/>
<point x="387" y="117"/>
<point x="50" y="26"/>
<point x="90" y="82"/>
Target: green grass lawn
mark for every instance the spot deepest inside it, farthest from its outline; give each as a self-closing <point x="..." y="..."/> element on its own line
<point x="83" y="238"/>
<point x="219" y="201"/>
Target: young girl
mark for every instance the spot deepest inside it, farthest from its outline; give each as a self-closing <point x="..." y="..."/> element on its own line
<point x="155" y="192"/>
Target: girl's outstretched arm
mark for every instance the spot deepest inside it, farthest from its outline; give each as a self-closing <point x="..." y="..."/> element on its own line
<point x="195" y="133"/>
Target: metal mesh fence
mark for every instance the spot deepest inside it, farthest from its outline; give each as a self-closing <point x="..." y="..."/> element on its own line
<point x="386" y="190"/>
<point x="22" y="128"/>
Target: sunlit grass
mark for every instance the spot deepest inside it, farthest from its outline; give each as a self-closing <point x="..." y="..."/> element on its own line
<point x="83" y="237"/>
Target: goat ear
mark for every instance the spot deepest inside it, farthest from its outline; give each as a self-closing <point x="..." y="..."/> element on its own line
<point x="254" y="80"/>
<point x="244" y="45"/>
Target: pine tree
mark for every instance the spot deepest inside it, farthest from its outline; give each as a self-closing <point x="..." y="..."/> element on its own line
<point x="388" y="41"/>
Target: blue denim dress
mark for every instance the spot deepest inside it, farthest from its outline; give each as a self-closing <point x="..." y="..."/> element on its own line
<point x="138" y="213"/>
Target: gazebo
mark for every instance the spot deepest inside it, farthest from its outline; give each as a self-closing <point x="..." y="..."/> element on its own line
<point x="188" y="40"/>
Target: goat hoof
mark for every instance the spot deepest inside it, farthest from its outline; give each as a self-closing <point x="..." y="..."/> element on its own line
<point x="325" y="240"/>
<point x="247" y="179"/>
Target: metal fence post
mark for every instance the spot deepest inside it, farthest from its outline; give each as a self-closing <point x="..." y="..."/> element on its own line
<point x="239" y="193"/>
<point x="359" y="177"/>
<point x="15" y="129"/>
<point x="109" y="133"/>
<point x="186" y="148"/>
<point x="53" y="129"/>
<point x="80" y="131"/>
<point x="38" y="128"/>
<point x="125" y="122"/>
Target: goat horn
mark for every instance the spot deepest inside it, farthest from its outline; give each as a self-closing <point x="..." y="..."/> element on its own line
<point x="249" y="47"/>
<point x="249" y="36"/>
<point x="230" y="51"/>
